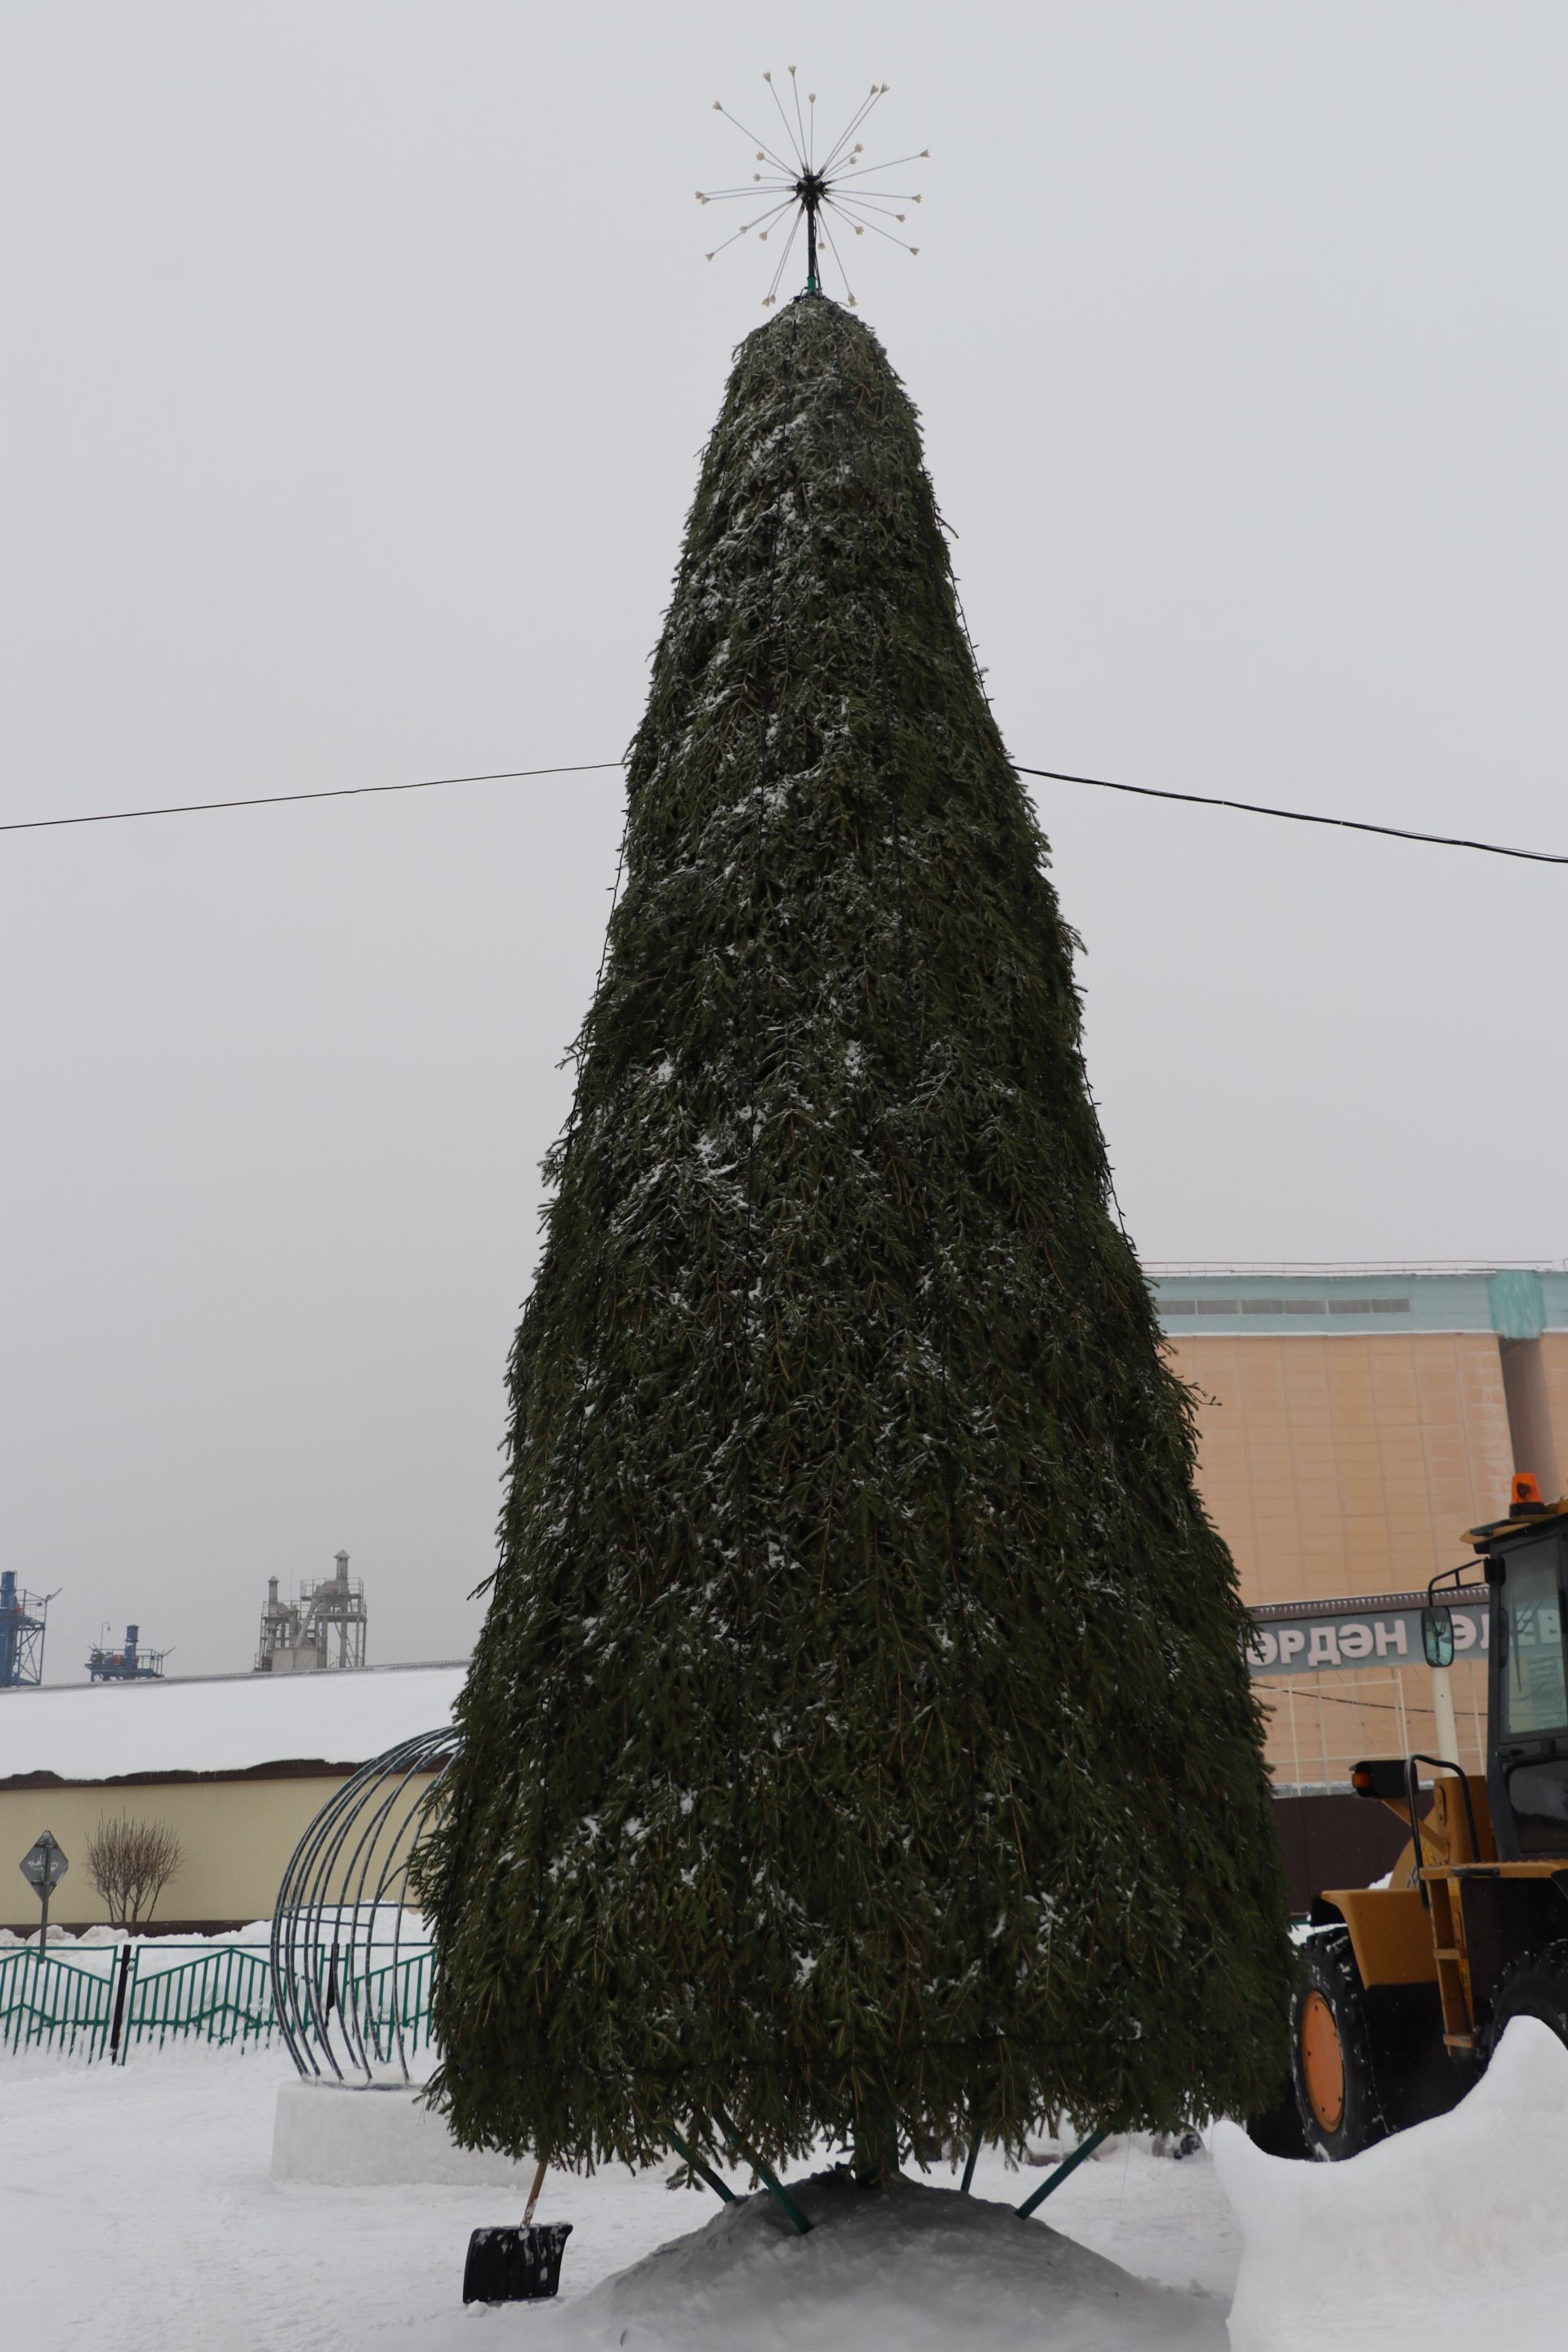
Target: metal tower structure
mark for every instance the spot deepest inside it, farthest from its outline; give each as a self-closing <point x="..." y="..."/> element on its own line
<point x="22" y="1616"/>
<point x="335" y="1615"/>
<point x="325" y="1630"/>
<point x="278" y="1646"/>
<point x="130" y="1663"/>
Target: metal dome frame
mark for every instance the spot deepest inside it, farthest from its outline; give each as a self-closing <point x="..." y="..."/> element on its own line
<point x="337" y="1972"/>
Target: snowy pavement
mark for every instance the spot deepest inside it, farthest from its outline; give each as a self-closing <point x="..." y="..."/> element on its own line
<point x="137" y="2209"/>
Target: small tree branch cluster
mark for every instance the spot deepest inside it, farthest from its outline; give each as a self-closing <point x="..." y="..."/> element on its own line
<point x="130" y="1863"/>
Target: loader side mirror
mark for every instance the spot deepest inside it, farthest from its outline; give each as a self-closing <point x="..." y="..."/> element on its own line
<point x="1438" y="1637"/>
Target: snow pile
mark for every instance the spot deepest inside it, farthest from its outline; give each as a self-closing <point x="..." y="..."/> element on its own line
<point x="96" y="1949"/>
<point x="1444" y="2237"/>
<point x="915" y="2270"/>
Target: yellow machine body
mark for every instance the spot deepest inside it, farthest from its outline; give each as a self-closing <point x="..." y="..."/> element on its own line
<point x="1437" y="1921"/>
<point x="1475" y="1909"/>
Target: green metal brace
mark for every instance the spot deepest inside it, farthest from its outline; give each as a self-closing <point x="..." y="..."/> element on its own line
<point x="770" y="2180"/>
<point x="704" y="2171"/>
<point x="1054" y="2179"/>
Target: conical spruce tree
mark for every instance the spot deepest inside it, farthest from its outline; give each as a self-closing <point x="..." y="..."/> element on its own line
<point x="859" y="1740"/>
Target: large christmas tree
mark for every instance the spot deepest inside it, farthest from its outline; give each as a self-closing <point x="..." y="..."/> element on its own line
<point x="859" y="1740"/>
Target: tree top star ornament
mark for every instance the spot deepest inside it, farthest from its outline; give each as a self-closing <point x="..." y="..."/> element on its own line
<point x="793" y="185"/>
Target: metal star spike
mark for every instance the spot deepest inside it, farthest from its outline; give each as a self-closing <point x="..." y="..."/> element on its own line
<point x="793" y="186"/>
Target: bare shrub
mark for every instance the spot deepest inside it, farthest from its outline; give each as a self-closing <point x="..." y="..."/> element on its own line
<point x="130" y="1863"/>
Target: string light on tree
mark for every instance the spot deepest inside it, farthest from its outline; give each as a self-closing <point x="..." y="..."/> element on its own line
<point x="793" y="186"/>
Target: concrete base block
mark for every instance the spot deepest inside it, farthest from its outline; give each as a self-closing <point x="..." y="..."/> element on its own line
<point x="377" y="2137"/>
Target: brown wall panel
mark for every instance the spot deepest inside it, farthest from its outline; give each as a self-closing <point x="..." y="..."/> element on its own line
<point x="1335" y="1842"/>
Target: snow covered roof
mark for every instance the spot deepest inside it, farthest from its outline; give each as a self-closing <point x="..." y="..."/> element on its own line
<point x="232" y="1723"/>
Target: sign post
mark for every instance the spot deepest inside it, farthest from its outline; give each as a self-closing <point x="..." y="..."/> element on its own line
<point x="43" y="1866"/>
<point x="1443" y="1715"/>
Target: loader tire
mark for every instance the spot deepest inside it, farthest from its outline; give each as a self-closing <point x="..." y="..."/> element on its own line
<point x="1535" y="1985"/>
<point x="1337" y="2095"/>
<point x="1277" y="2129"/>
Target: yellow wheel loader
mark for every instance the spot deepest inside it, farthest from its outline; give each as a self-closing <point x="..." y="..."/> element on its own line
<point x="1406" y="1989"/>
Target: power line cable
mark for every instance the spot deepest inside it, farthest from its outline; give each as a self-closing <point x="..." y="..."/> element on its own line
<point x="596" y="767"/>
<point x="337" y="793"/>
<point x="1300" y="816"/>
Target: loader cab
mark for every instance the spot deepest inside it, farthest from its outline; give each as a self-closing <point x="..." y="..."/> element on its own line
<point x="1526" y="1558"/>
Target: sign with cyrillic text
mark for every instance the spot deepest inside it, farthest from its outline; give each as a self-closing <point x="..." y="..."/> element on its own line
<point x="1392" y="1637"/>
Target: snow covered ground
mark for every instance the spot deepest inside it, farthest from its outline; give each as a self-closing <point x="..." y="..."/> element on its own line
<point x="137" y="2208"/>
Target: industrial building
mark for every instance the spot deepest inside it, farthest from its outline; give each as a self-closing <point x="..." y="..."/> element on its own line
<point x="236" y="1765"/>
<point x="133" y="1662"/>
<point x="324" y="1630"/>
<point x="1352" y="1423"/>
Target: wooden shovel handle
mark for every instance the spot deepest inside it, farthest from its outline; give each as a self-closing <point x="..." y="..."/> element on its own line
<point x="533" y="2195"/>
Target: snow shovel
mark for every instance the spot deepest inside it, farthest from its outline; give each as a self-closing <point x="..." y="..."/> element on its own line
<point x="516" y="2266"/>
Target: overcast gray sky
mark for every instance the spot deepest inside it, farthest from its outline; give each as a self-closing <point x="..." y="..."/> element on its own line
<point x="357" y="359"/>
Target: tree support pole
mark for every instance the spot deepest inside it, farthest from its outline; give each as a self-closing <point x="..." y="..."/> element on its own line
<point x="703" y="2171"/>
<point x="770" y="2180"/>
<point x="1054" y="2179"/>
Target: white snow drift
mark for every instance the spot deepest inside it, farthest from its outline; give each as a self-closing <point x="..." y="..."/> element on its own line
<point x="1446" y="2237"/>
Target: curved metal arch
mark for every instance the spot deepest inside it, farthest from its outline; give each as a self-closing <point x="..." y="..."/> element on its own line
<point x="338" y="1929"/>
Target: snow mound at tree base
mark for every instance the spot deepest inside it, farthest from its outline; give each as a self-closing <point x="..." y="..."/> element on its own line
<point x="1444" y="2237"/>
<point x="906" y="2270"/>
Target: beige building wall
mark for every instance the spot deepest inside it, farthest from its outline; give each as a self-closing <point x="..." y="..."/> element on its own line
<point x="237" y="1835"/>
<point x="1319" y="1724"/>
<point x="1554" y="1353"/>
<point x="1339" y="1465"/>
<point x="1335" y="1465"/>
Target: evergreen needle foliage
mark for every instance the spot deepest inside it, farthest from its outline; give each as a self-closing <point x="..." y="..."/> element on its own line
<point x="859" y="1741"/>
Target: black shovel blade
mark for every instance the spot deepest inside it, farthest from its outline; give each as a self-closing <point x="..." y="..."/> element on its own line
<point x="515" y="2265"/>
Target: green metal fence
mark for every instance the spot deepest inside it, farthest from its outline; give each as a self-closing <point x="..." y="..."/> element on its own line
<point x="48" y="2003"/>
<point x="105" y="2001"/>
